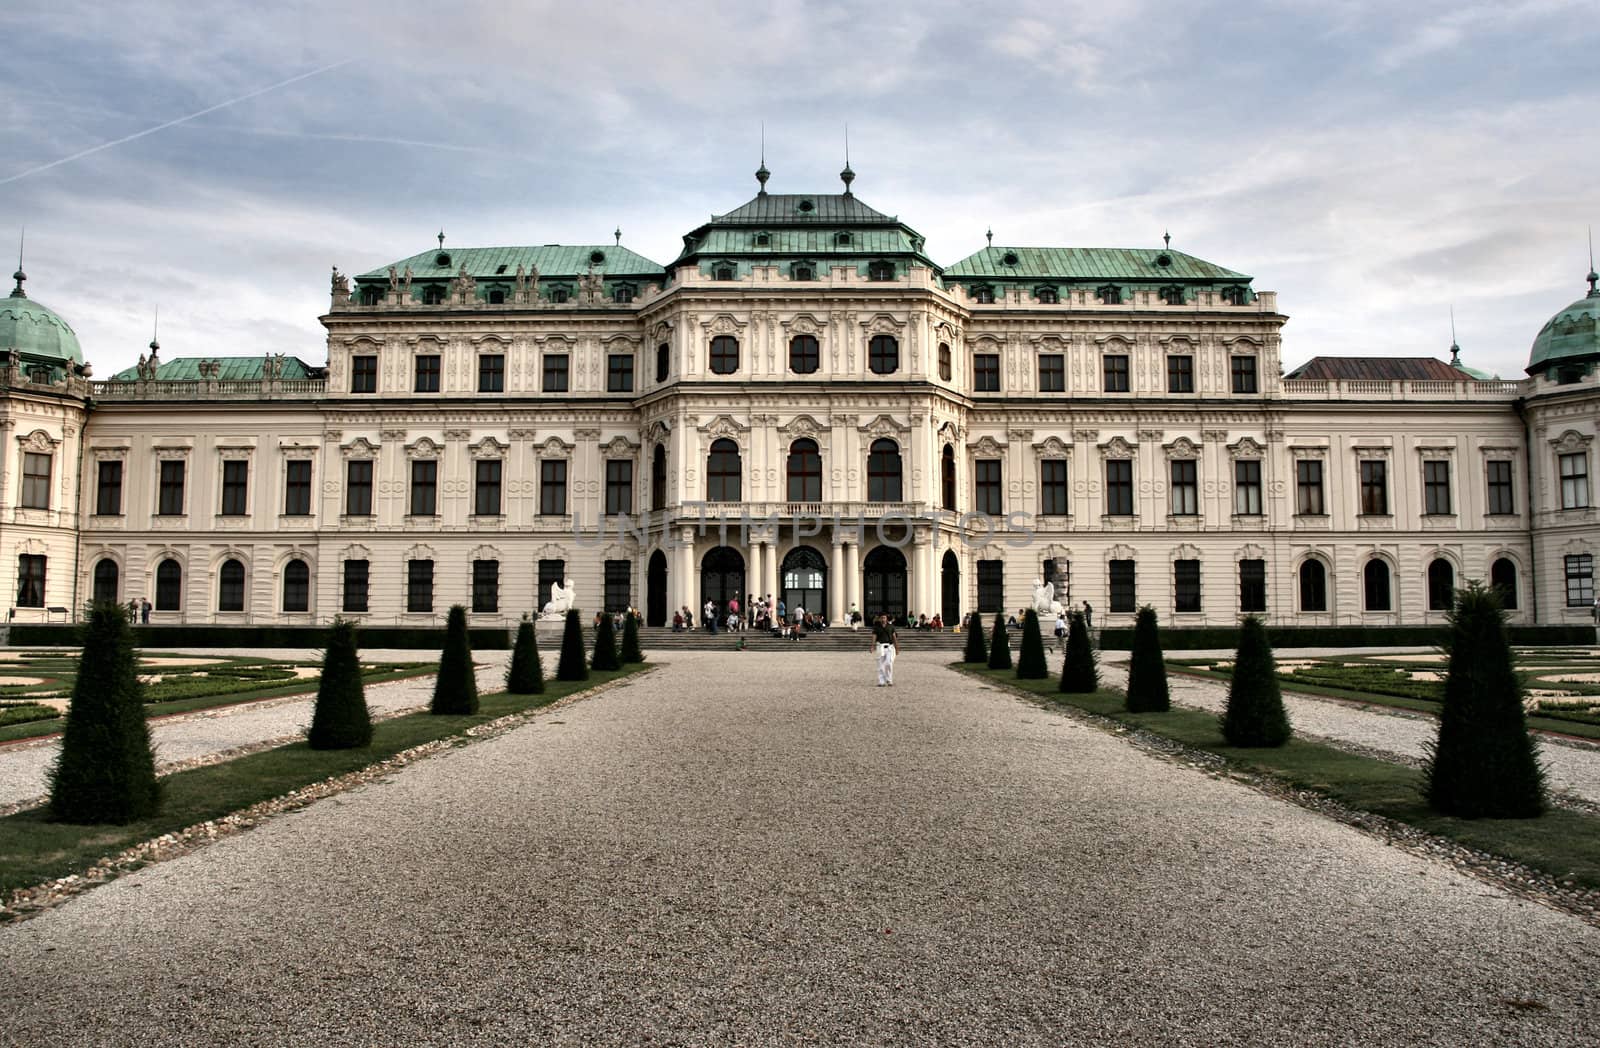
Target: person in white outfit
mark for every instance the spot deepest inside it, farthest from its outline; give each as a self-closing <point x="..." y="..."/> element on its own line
<point x="886" y="646"/>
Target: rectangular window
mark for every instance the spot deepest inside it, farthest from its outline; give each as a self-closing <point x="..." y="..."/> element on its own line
<point x="419" y="585"/>
<point x="297" y="488"/>
<point x="424" y="488"/>
<point x="1374" y="487"/>
<point x="427" y="373"/>
<point x="1580" y="580"/>
<point x="1180" y="373"/>
<point x="986" y="372"/>
<point x="1247" y="487"/>
<point x="619" y="486"/>
<point x="1244" y="374"/>
<point x="235" y="488"/>
<point x="35" y="480"/>
<point x="491" y="372"/>
<point x="363" y="374"/>
<point x="1435" y="486"/>
<point x="356" y="575"/>
<point x="1574" y="481"/>
<point x="619" y="373"/>
<point x="1122" y="586"/>
<point x="1052" y="373"/>
<point x="1502" y="496"/>
<point x="555" y="373"/>
<point x="552" y="487"/>
<point x="30" y="580"/>
<point x="991" y="585"/>
<point x="986" y="476"/>
<point x="1252" y="585"/>
<point x="1308" y="488"/>
<point x="108" y="493"/>
<point x="1186" y="585"/>
<point x="486" y="585"/>
<point x="358" y="488"/>
<point x="169" y="500"/>
<point x="1053" y="487"/>
<point x="1119" y="488"/>
<point x="619" y="585"/>
<point x="1114" y="372"/>
<point x="486" y="496"/>
<point x="1185" y="488"/>
<point x="550" y="571"/>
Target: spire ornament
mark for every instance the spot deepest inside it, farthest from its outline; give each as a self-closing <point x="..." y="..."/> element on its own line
<point x="19" y="276"/>
<point x="762" y="174"/>
<point x="847" y="176"/>
<point x="1455" y="350"/>
<point x="1593" y="278"/>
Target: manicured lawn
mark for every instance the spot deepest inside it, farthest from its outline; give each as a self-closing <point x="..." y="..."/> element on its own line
<point x="1562" y="843"/>
<point x="34" y="850"/>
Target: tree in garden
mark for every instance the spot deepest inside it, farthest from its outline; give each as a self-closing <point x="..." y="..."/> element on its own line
<point x="1483" y="763"/>
<point x="999" y="646"/>
<point x="631" y="652"/>
<point x="1255" y="715"/>
<point x="456" y="689"/>
<point x="1030" y="656"/>
<point x="977" y="651"/>
<point x="1147" y="669"/>
<point x="1079" y="674"/>
<point x="574" y="664"/>
<point x="525" y="676"/>
<point x="340" y="720"/>
<point x="605" y="646"/>
<point x="106" y="771"/>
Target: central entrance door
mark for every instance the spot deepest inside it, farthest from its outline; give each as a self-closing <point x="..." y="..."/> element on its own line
<point x="721" y="578"/>
<point x="950" y="587"/>
<point x="655" y="601"/>
<point x="885" y="589"/>
<point x="805" y="582"/>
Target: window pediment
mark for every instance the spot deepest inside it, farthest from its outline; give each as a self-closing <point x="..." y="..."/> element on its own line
<point x="1118" y="448"/>
<point x="555" y="447"/>
<point x="1182" y="448"/>
<point x="1571" y="441"/>
<point x="423" y="448"/>
<point x="1245" y="448"/>
<point x="724" y="426"/>
<point x="1052" y="447"/>
<point x="487" y="448"/>
<point x="359" y="448"/>
<point x="987" y="447"/>
<point x="883" y="426"/>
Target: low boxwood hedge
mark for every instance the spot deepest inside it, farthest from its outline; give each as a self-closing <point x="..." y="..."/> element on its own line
<point x="488" y="638"/>
<point x="1120" y="638"/>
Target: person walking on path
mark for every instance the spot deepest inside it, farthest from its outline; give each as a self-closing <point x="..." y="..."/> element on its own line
<point x="1088" y="616"/>
<point x="709" y="615"/>
<point x="886" y="646"/>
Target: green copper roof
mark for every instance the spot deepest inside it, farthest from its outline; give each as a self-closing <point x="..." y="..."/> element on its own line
<point x="808" y="209"/>
<point x="34" y="330"/>
<point x="234" y="369"/>
<point x="1571" y="335"/>
<point x="1088" y="263"/>
<point x="552" y="260"/>
<point x="804" y="227"/>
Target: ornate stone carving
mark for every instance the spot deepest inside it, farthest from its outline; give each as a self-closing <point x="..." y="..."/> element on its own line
<point x="1182" y="448"/>
<point x="1118" y="448"/>
<point x="1244" y="448"/>
<point x="987" y="447"/>
<point x="1571" y="442"/>
<point x="555" y="447"/>
<point x="424" y="448"/>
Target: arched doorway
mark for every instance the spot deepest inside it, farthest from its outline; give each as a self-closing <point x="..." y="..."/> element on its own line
<point x="655" y="590"/>
<point x="950" y="589"/>
<point x="805" y="581"/>
<point x="721" y="577"/>
<point x="106" y="577"/>
<point x="885" y="583"/>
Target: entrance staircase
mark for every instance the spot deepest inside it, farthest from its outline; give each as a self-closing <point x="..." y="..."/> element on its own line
<point x="660" y="639"/>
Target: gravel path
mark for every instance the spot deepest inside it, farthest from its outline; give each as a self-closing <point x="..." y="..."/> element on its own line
<point x="183" y="739"/>
<point x="764" y="849"/>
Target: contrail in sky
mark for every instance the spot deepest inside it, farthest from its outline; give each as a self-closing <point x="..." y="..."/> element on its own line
<point x="173" y="123"/>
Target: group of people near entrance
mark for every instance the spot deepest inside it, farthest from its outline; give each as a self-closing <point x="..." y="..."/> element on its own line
<point x="755" y="613"/>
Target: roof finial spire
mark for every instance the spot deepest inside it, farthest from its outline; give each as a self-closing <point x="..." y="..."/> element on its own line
<point x="1166" y="237"/>
<point x="441" y="238"/>
<point x="155" y="327"/>
<point x="1455" y="350"/>
<point x="19" y="276"/>
<point x="847" y="176"/>
<point x="989" y="235"/>
<point x="1594" y="277"/>
<point x="618" y="234"/>
<point x="762" y="174"/>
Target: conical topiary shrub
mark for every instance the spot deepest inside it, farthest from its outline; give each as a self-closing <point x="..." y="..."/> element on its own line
<point x="456" y="689"/>
<point x="525" y="676"/>
<point x="977" y="651"/>
<point x="106" y="771"/>
<point x="1483" y="764"/>
<point x="1147" y="667"/>
<point x="999" y="644"/>
<point x="605" y="646"/>
<point x="1255" y="715"/>
<point x="340" y="720"/>
<point x="1079" y="674"/>
<point x="1030" y="656"/>
<point x="574" y="664"/>
<point x="631" y="653"/>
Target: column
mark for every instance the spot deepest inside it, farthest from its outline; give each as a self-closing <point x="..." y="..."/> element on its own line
<point x="685" y="586"/>
<point x="836" y="582"/>
<point x="753" y="576"/>
<point x="924" y="573"/>
<point x="771" y="576"/>
<point x="852" y="568"/>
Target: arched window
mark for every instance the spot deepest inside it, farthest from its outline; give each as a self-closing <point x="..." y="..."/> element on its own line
<point x="805" y="471"/>
<point x="723" y="272"/>
<point x="883" y="471"/>
<point x="1503" y="577"/>
<point x="723" y="472"/>
<point x="1313" y="585"/>
<point x="296" y="586"/>
<point x="880" y="271"/>
<point x="433" y="295"/>
<point x="1375" y="584"/>
<point x="803" y="271"/>
<point x="724" y="355"/>
<point x="804" y="354"/>
<point x="947" y="476"/>
<point x="1441" y="585"/>
<point x="883" y="354"/>
<point x="1172" y="295"/>
<point x="106" y="576"/>
<point x="1109" y="294"/>
<point x="663" y="361"/>
<point x="658" y="478"/>
<point x="1047" y="296"/>
<point x="944" y="362"/>
<point x="230" y="591"/>
<point x="983" y="293"/>
<point x="169" y="586"/>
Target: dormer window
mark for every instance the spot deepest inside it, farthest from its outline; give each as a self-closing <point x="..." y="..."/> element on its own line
<point x="1009" y="258"/>
<point x="1047" y="296"/>
<point x="1109" y="294"/>
<point x="1172" y="295"/>
<point x="559" y="294"/>
<point x="763" y="239"/>
<point x="880" y="271"/>
<point x="500" y="269"/>
<point x="622" y="293"/>
<point x="1234" y="295"/>
<point x="723" y="272"/>
<point x="442" y="260"/>
<point x="371" y="296"/>
<point x="597" y="258"/>
<point x="983" y="293"/>
<point x="841" y="239"/>
<point x="803" y="271"/>
<point x="497" y="295"/>
<point x="433" y="295"/>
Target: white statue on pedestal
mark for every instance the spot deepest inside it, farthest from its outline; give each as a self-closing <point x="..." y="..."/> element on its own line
<point x="561" y="600"/>
<point x="1044" y="599"/>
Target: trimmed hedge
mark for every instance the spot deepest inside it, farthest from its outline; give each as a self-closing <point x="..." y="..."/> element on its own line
<point x="1120" y="638"/>
<point x="484" y="638"/>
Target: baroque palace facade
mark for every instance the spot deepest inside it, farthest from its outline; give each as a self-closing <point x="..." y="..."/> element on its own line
<point x="803" y="404"/>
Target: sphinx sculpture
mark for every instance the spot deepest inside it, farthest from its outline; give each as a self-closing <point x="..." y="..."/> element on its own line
<point x="562" y="599"/>
<point x="1044" y="599"/>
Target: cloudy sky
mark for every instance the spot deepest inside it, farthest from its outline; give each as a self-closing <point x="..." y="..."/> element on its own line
<point x="1373" y="163"/>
